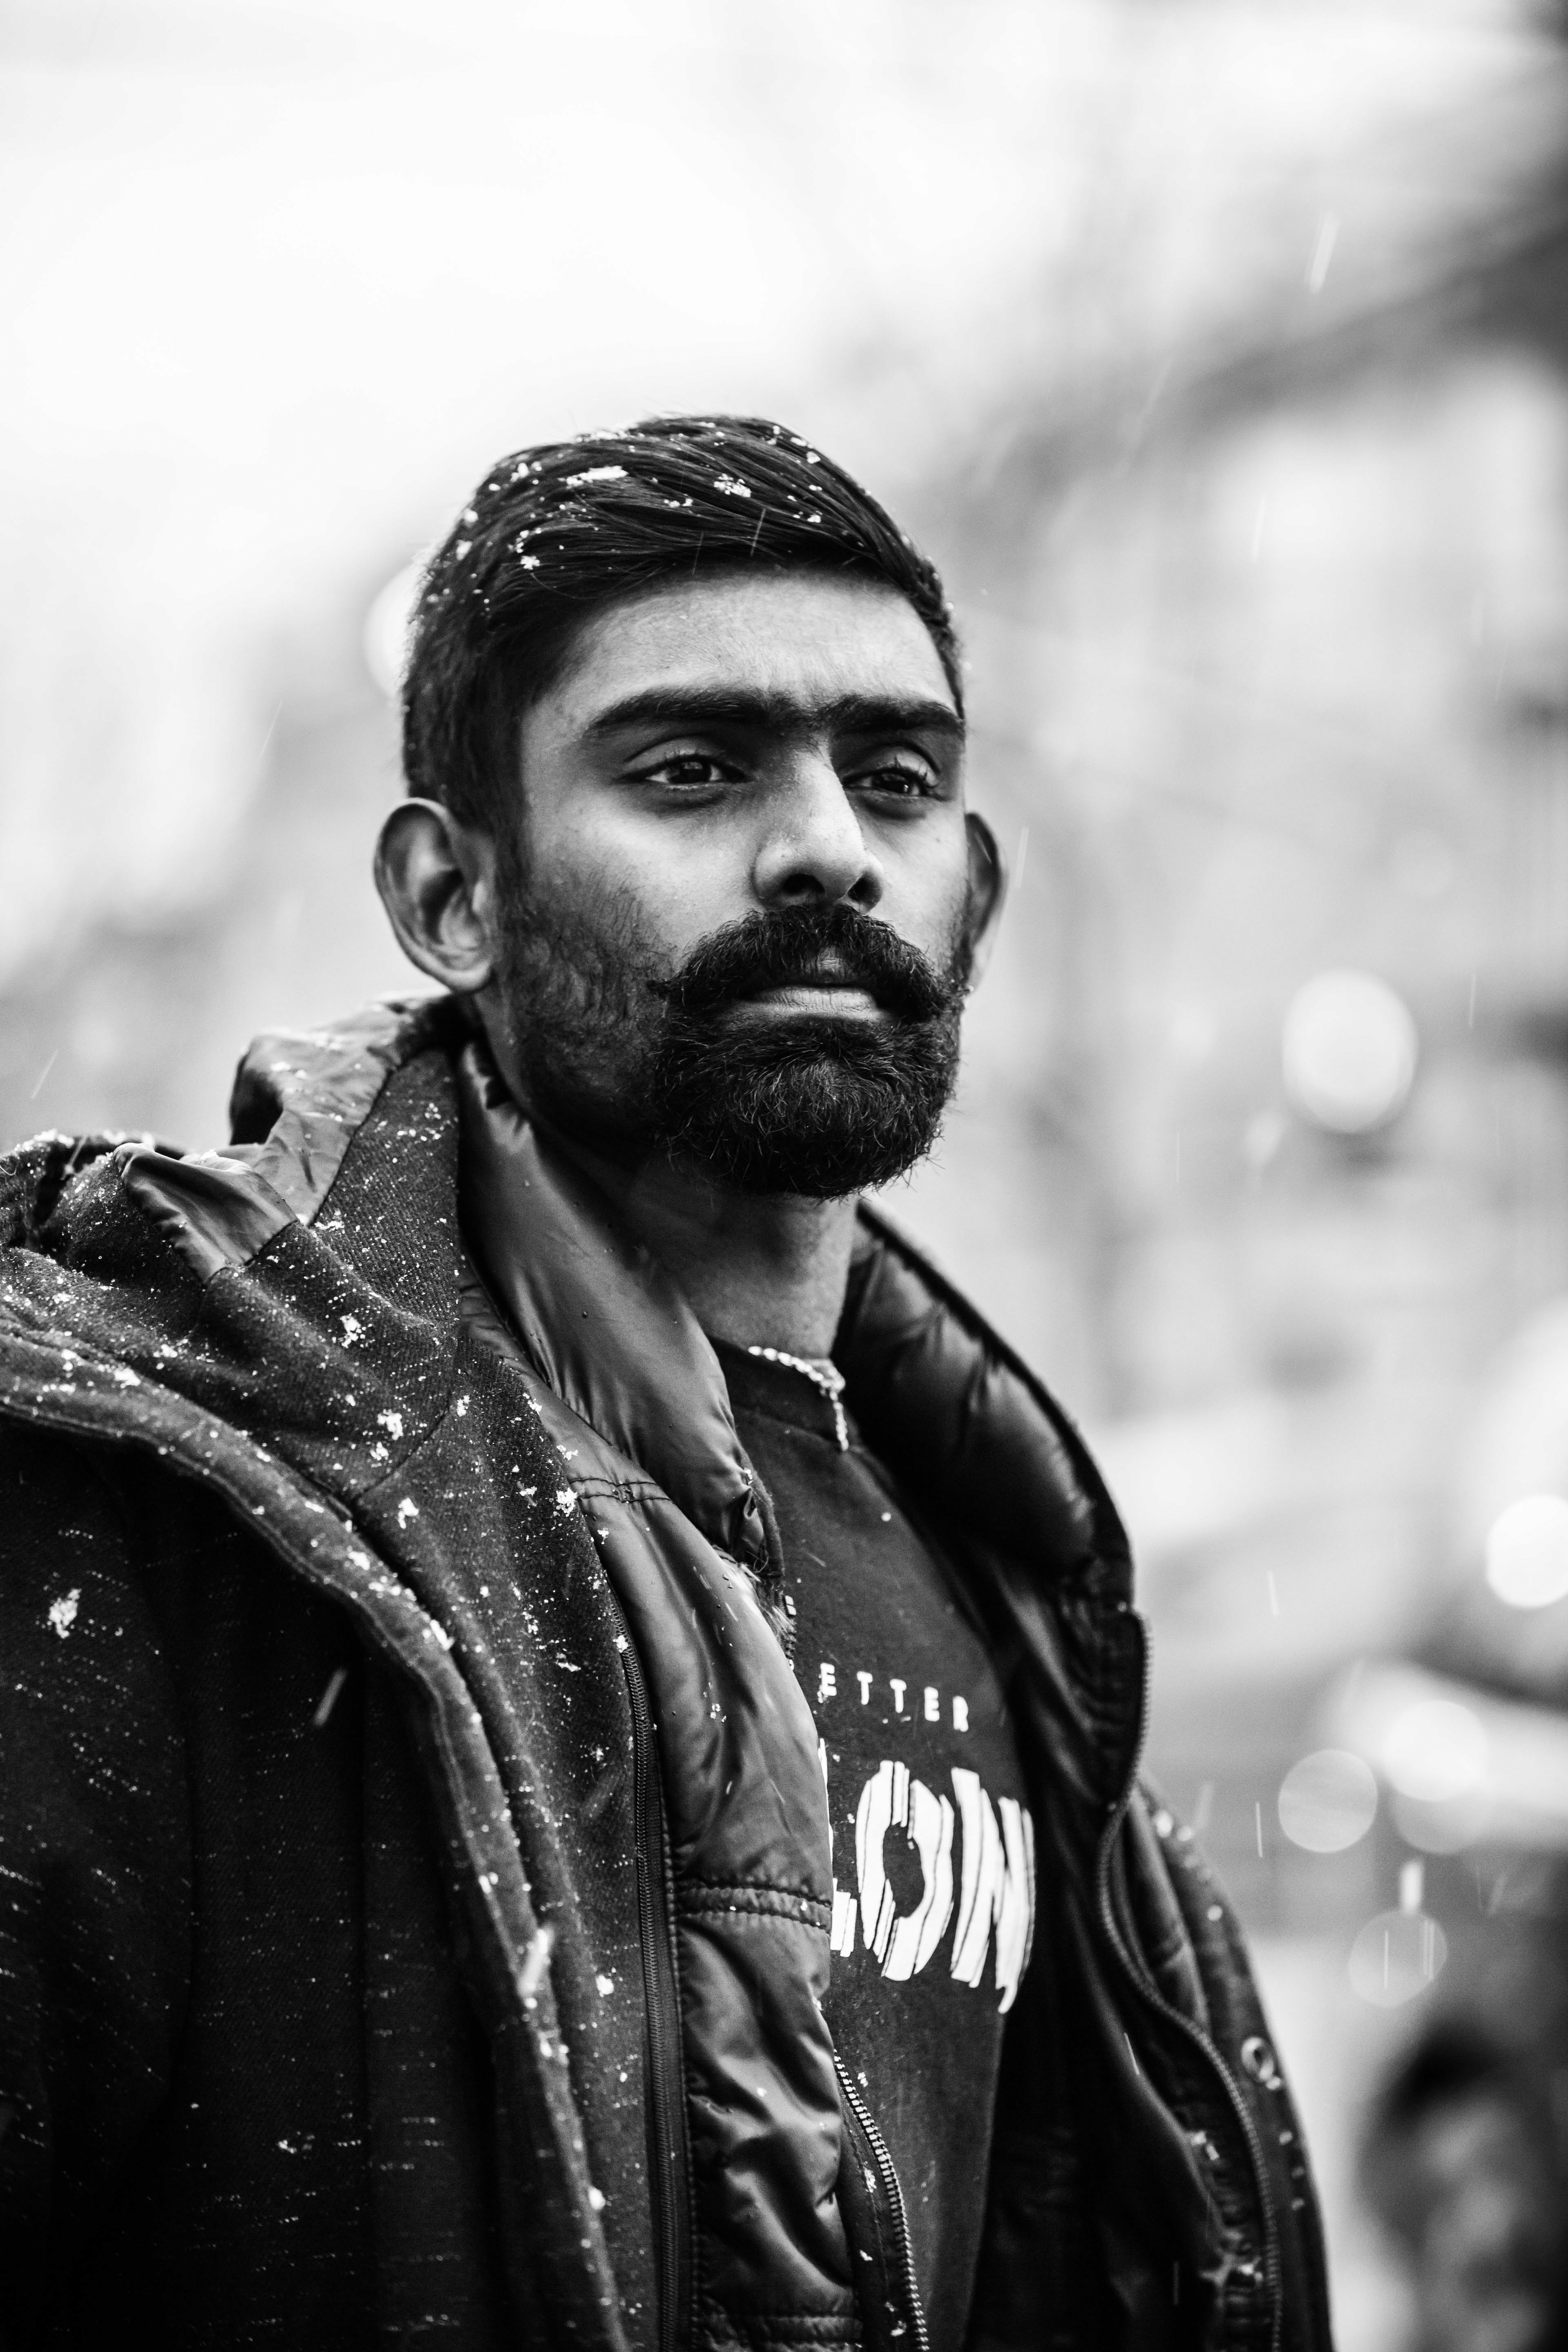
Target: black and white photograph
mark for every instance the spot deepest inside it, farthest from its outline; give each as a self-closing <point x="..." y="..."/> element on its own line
<point x="784" y="1175"/>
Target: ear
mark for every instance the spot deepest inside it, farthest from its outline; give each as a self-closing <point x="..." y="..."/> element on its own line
<point x="437" y="880"/>
<point x="987" y="889"/>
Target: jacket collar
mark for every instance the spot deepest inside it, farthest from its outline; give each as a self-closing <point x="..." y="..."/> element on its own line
<point x="597" y="1313"/>
<point x="938" y="1395"/>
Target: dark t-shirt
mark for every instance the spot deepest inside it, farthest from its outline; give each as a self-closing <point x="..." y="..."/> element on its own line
<point x="932" y="1846"/>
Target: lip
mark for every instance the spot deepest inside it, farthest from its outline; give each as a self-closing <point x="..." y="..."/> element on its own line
<point x="842" y="1000"/>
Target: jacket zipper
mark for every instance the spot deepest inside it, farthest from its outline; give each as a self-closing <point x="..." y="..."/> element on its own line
<point x="894" y="2194"/>
<point x="667" y="2098"/>
<point x="1150" y="1993"/>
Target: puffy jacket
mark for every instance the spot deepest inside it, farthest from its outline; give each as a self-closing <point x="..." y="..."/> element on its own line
<point x="414" y="1882"/>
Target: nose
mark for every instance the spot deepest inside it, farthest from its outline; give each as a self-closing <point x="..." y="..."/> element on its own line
<point x="813" y="852"/>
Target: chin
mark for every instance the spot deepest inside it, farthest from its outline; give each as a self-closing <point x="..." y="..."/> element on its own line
<point x="820" y="1131"/>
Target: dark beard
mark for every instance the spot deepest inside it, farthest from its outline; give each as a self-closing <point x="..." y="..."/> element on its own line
<point x="815" y="1105"/>
<point x="631" y="1062"/>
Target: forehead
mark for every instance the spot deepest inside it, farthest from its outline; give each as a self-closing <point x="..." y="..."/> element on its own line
<point x="786" y="638"/>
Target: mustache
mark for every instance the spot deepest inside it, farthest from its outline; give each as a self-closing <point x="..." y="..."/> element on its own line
<point x="791" y="946"/>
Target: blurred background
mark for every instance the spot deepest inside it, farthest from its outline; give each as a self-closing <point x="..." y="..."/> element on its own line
<point x="1219" y="355"/>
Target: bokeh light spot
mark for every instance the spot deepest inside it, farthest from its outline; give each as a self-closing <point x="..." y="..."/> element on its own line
<point x="1349" y="1051"/>
<point x="1434" y="1751"/>
<point x="1446" y="1828"/>
<point x="1395" y="1957"/>
<point x="1527" y="1552"/>
<point x="1328" y="1800"/>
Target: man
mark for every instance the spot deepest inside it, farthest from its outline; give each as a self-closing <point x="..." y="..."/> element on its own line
<point x="574" y="1711"/>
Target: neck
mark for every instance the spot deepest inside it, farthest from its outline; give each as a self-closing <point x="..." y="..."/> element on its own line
<point x="767" y="1270"/>
<point x="759" y="1270"/>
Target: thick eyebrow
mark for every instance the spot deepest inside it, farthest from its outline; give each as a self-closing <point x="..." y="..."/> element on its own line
<point x="776" y="714"/>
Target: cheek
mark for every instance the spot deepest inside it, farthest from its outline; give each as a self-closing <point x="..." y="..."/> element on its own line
<point x="934" y="909"/>
<point x="661" y="893"/>
<point x="595" y="927"/>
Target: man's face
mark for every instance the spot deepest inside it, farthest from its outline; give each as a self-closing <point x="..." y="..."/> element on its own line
<point x="733" y="925"/>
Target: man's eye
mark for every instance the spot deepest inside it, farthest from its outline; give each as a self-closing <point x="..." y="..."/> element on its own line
<point x="690" y="769"/>
<point x="898" y="779"/>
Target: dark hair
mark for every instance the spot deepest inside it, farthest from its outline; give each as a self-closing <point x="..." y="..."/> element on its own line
<point x="554" y="534"/>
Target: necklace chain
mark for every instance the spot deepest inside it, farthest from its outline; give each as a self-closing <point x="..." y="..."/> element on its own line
<point x="826" y="1379"/>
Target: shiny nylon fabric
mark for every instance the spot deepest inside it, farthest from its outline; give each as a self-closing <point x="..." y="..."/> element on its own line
<point x="752" y="1878"/>
<point x="743" y="1789"/>
<point x="1194" y="2165"/>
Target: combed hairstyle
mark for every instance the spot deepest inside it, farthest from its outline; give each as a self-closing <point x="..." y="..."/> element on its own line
<point x="554" y="534"/>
